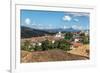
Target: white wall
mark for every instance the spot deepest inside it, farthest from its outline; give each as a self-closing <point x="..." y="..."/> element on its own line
<point x="5" y="36"/>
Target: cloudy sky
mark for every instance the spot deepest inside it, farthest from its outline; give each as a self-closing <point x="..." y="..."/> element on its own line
<point x="52" y="19"/>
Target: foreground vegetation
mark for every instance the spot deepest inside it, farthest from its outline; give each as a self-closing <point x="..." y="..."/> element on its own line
<point x="46" y="45"/>
<point x="63" y="44"/>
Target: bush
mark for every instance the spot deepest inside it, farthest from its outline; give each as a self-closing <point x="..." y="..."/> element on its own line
<point x="46" y="45"/>
<point x="23" y="47"/>
<point x="56" y="44"/>
<point x="68" y="36"/>
<point x="64" y="45"/>
<point x="26" y="45"/>
<point x="85" y="40"/>
<point x="32" y="48"/>
<point x="38" y="48"/>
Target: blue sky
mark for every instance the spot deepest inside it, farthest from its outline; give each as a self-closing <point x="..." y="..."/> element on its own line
<point x="52" y="19"/>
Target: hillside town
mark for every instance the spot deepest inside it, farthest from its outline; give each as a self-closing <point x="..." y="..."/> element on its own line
<point x="72" y="42"/>
<point x="76" y="39"/>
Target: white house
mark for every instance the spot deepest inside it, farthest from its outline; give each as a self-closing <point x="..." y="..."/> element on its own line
<point x="76" y="40"/>
<point x="58" y="34"/>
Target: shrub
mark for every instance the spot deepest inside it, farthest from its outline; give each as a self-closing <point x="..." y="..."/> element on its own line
<point x="38" y="48"/>
<point x="45" y="45"/>
<point x="64" y="45"/>
<point x="23" y="47"/>
<point x="32" y="48"/>
<point x="26" y="45"/>
<point x="56" y="44"/>
<point x="85" y="40"/>
<point x="68" y="36"/>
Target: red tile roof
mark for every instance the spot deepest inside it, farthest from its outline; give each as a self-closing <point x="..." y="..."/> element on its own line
<point x="77" y="44"/>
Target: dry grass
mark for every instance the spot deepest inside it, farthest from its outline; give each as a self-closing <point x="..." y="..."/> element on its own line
<point x="50" y="55"/>
<point x="81" y="50"/>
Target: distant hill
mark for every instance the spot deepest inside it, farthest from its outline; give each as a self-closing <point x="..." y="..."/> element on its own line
<point x="62" y="30"/>
<point x="27" y="32"/>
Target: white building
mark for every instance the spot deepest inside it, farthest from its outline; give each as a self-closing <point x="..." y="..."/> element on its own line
<point x="59" y="35"/>
<point x="76" y="40"/>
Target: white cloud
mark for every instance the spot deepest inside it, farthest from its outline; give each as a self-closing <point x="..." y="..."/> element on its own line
<point x="67" y="18"/>
<point x="27" y="21"/>
<point x="78" y="14"/>
<point x="41" y="26"/>
<point x="76" y="20"/>
<point x="37" y="26"/>
<point x="64" y="27"/>
<point x="79" y="27"/>
<point x="34" y="24"/>
<point x="74" y="26"/>
<point x="49" y="26"/>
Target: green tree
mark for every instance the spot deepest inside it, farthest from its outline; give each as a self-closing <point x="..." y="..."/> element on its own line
<point x="85" y="40"/>
<point x="82" y="34"/>
<point x="23" y="47"/>
<point x="56" y="44"/>
<point x="27" y="44"/>
<point x="38" y="48"/>
<point x="45" y="45"/>
<point x="68" y="36"/>
<point x="32" y="48"/>
<point x="64" y="45"/>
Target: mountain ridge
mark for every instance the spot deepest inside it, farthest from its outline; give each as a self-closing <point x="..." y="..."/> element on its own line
<point x="27" y="32"/>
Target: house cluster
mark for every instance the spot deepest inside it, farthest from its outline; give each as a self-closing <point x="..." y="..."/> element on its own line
<point x="76" y="39"/>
